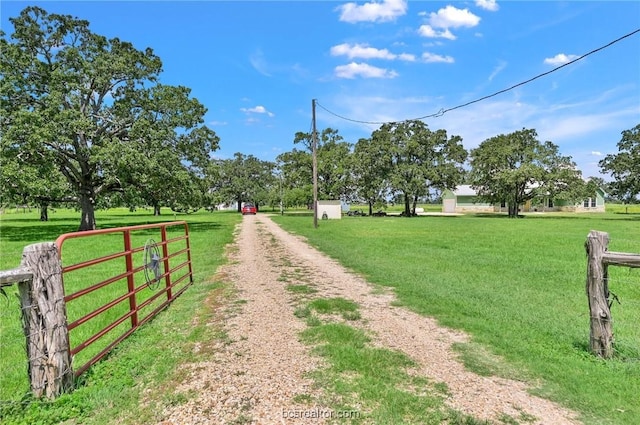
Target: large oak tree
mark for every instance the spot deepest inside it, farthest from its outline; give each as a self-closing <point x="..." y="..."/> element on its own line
<point x="514" y="168"/>
<point x="295" y="168"/>
<point x="625" y="166"/>
<point x="420" y="159"/>
<point x="243" y="178"/>
<point x="333" y="157"/>
<point x="93" y="104"/>
<point x="372" y="167"/>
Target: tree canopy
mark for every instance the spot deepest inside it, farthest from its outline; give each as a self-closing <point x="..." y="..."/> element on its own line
<point x="625" y="166"/>
<point x="27" y="179"/>
<point x="296" y="173"/>
<point x="517" y="167"/>
<point x="333" y="156"/>
<point x="371" y="172"/>
<point x="244" y="178"/>
<point x="419" y="159"/>
<point x="95" y="106"/>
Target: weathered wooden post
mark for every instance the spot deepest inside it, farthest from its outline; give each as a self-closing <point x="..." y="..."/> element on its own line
<point x="601" y="335"/>
<point x="45" y="322"/>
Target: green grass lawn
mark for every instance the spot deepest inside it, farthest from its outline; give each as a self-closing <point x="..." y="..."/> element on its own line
<point x="149" y="357"/>
<point x="516" y="285"/>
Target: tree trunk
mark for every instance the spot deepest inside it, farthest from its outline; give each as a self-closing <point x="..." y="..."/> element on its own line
<point x="88" y="216"/>
<point x="413" y="207"/>
<point x="513" y="206"/>
<point x="156" y="209"/>
<point x="44" y="211"/>
<point x="370" y="208"/>
<point x="407" y="206"/>
<point x="239" y="202"/>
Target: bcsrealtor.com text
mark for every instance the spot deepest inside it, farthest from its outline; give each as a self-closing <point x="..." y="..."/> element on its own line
<point x="319" y="414"/>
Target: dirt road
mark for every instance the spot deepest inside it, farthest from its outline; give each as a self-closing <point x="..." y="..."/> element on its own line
<point x="259" y="371"/>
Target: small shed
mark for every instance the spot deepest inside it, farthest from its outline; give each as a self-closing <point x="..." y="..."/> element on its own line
<point x="332" y="209"/>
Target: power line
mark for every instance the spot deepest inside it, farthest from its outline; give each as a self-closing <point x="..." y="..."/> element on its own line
<point x="444" y="111"/>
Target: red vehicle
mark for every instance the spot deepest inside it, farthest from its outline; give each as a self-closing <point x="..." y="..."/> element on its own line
<point x="249" y="208"/>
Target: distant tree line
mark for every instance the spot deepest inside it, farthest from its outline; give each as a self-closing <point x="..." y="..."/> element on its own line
<point x="86" y="122"/>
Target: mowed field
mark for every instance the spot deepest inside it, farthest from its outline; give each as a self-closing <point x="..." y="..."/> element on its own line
<point x="517" y="286"/>
<point x="151" y="356"/>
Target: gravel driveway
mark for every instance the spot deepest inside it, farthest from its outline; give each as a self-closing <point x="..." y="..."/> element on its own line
<point x="257" y="371"/>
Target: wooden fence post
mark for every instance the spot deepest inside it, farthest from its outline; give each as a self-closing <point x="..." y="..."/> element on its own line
<point x="601" y="335"/>
<point x="45" y="322"/>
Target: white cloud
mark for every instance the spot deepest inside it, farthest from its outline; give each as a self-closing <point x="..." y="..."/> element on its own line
<point x="490" y="5"/>
<point x="572" y="126"/>
<point x="439" y="23"/>
<point x="432" y="58"/>
<point x="596" y="153"/>
<point x="408" y="57"/>
<point x="560" y="59"/>
<point x="452" y="17"/>
<point x="257" y="110"/>
<point x="363" y="51"/>
<point x="429" y="32"/>
<point x="259" y="63"/>
<point x="498" y="69"/>
<point x="364" y="70"/>
<point x="386" y="10"/>
<point x="218" y="123"/>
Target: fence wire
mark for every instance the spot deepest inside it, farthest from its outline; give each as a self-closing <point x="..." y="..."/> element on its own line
<point x="14" y="378"/>
<point x="15" y="386"/>
<point x="624" y="298"/>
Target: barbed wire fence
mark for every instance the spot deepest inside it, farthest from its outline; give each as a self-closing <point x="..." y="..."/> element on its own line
<point x="603" y="275"/>
<point x="17" y="385"/>
<point x="14" y="375"/>
<point x="624" y="303"/>
<point x="35" y="334"/>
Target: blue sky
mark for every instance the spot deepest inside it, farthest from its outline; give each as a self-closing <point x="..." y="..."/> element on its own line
<point x="256" y="66"/>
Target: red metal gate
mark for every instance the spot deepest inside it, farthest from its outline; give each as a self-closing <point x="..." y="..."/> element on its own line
<point x="113" y="295"/>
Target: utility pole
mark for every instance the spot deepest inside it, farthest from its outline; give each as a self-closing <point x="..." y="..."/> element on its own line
<point x="281" y="178"/>
<point x="315" y="164"/>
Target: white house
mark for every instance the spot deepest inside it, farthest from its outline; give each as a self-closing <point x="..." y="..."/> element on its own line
<point x="464" y="199"/>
